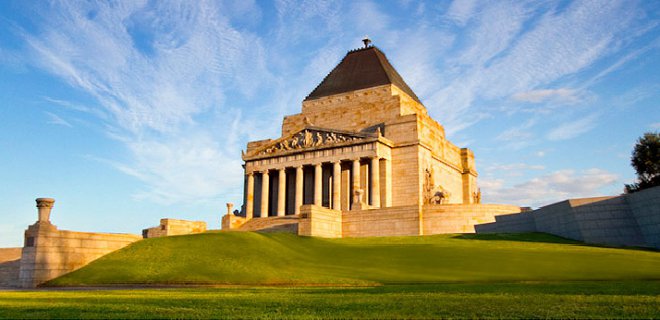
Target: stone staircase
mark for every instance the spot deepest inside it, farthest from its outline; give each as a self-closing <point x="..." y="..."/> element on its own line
<point x="10" y="262"/>
<point x="272" y="224"/>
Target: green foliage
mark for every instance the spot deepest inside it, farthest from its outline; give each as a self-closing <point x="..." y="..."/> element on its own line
<point x="623" y="299"/>
<point x="246" y="258"/>
<point x="646" y="161"/>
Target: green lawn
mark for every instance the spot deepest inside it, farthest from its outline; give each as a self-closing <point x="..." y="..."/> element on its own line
<point x="274" y="259"/>
<point x="604" y="299"/>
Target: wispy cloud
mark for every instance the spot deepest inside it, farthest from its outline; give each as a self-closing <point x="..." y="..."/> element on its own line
<point x="55" y="119"/>
<point x="158" y="71"/>
<point x="573" y="129"/>
<point x="542" y="95"/>
<point x="549" y="188"/>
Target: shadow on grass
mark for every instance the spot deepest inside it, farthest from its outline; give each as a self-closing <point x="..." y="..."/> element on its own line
<point x="540" y="237"/>
<point x="522" y="237"/>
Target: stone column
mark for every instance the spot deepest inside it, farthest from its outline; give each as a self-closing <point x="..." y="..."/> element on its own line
<point x="356" y="174"/>
<point x="356" y="177"/>
<point x="375" y="182"/>
<point x="299" y="189"/>
<point x="386" y="184"/>
<point x="281" y="192"/>
<point x="336" y="185"/>
<point x="318" y="184"/>
<point x="44" y="205"/>
<point x="249" y="206"/>
<point x="265" y="181"/>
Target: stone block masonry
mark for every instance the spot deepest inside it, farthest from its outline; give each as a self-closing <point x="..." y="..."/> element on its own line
<point x="626" y="220"/>
<point x="49" y="253"/>
<point x="174" y="227"/>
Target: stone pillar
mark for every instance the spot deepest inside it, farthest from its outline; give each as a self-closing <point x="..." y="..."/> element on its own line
<point x="375" y="182"/>
<point x="356" y="174"/>
<point x="356" y="177"/>
<point x="386" y="184"/>
<point x="230" y="206"/>
<point x="265" y="181"/>
<point x="281" y="192"/>
<point x="249" y="206"/>
<point x="336" y="185"/>
<point x="44" y="206"/>
<point x="318" y="184"/>
<point x="299" y="189"/>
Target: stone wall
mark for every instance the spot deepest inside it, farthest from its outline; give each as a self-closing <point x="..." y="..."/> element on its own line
<point x="392" y="221"/>
<point x="173" y="227"/>
<point x="461" y="218"/>
<point x="231" y="221"/>
<point x="626" y="220"/>
<point x="10" y="260"/>
<point x="49" y="253"/>
<point x="320" y="222"/>
<point x="645" y="207"/>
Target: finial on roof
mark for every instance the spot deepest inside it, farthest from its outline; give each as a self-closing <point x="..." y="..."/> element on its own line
<point x="366" y="41"/>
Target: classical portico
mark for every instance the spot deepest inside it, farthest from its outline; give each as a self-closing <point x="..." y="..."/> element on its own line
<point x="317" y="166"/>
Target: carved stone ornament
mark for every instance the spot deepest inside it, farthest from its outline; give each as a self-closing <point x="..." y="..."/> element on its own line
<point x="309" y="138"/>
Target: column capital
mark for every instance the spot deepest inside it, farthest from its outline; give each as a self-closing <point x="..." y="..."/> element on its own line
<point x="249" y="173"/>
<point x="264" y="171"/>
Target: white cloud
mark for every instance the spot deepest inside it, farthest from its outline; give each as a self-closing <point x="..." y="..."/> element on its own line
<point x="158" y="71"/>
<point x="520" y="136"/>
<point x="542" y="95"/>
<point x="546" y="189"/>
<point x="573" y="129"/>
<point x="514" y="60"/>
<point x="461" y="11"/>
<point x="55" y="119"/>
<point x="514" y="167"/>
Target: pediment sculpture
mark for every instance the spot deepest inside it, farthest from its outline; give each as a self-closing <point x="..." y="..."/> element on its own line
<point x="309" y="138"/>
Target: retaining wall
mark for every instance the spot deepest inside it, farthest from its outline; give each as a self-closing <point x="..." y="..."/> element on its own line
<point x="626" y="220"/>
<point x="461" y="218"/>
<point x="392" y="221"/>
<point x="49" y="253"/>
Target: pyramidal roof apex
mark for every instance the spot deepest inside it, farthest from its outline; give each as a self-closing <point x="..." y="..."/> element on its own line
<point x="360" y="69"/>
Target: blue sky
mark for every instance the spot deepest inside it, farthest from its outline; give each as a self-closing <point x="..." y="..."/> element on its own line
<point x="127" y="112"/>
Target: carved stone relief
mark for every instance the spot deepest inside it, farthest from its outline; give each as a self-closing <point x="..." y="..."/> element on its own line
<point x="309" y="138"/>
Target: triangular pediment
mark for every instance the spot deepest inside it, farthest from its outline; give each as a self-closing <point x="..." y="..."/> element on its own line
<point x="310" y="138"/>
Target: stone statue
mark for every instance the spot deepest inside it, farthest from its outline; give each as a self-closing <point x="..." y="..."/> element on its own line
<point x="477" y="196"/>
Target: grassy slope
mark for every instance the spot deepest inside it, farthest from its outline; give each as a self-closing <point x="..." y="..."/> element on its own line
<point x="252" y="258"/>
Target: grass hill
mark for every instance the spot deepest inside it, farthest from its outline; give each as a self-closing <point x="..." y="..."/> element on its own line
<point x="246" y="258"/>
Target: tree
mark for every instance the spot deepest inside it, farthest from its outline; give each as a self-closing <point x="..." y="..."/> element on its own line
<point x="646" y="161"/>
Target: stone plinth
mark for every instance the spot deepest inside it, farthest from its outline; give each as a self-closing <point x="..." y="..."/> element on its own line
<point x="174" y="227"/>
